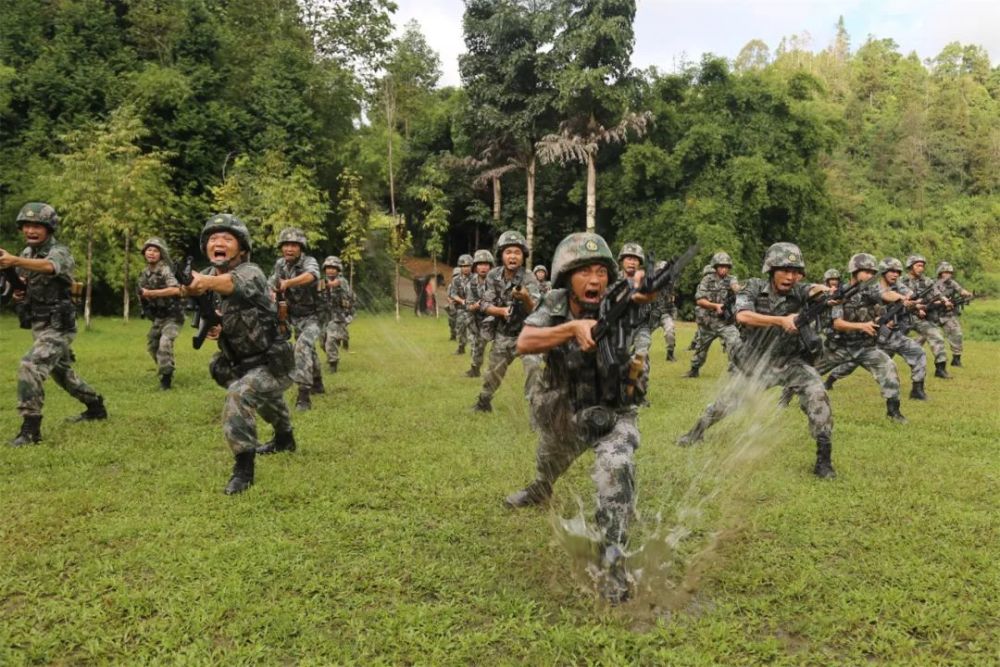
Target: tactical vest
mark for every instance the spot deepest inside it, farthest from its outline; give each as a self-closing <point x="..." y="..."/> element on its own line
<point x="336" y="301"/>
<point x="757" y="342"/>
<point x="48" y="298"/>
<point x="859" y="308"/>
<point x="505" y="289"/>
<point x="716" y="290"/>
<point x="302" y="300"/>
<point x="248" y="330"/>
<point x="170" y="306"/>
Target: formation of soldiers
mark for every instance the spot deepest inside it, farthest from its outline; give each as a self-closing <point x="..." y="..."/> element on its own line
<point x="578" y="399"/>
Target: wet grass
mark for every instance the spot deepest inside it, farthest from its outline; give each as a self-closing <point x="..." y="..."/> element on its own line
<point x="383" y="539"/>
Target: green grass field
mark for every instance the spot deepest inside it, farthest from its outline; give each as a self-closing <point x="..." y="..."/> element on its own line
<point x="383" y="539"/>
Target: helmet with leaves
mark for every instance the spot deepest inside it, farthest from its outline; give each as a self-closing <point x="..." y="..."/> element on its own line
<point x="581" y="249"/>
<point x="38" y="213"/>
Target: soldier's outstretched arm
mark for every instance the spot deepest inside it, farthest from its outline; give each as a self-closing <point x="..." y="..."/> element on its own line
<point x="535" y="340"/>
<point x="201" y="283"/>
<point x="751" y="319"/>
<point x="7" y="260"/>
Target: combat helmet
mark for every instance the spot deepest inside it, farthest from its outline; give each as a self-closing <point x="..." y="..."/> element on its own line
<point x="160" y="245"/>
<point x="913" y="259"/>
<point x="293" y="235"/>
<point x="334" y="262"/>
<point x="890" y="264"/>
<point x="540" y="267"/>
<point x="38" y="213"/>
<point x="831" y="274"/>
<point x="721" y="259"/>
<point x="632" y="250"/>
<point x="510" y="238"/>
<point x="483" y="257"/>
<point x="783" y="255"/>
<point x="862" y="261"/>
<point x="945" y="267"/>
<point x="226" y="222"/>
<point x="465" y="260"/>
<point x="581" y="249"/>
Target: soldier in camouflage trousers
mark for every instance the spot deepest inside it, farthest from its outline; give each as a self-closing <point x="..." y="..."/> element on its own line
<point x="456" y="297"/>
<point x="254" y="360"/>
<point x="710" y="299"/>
<point x="542" y="276"/>
<point x="897" y="342"/>
<point x="510" y="296"/>
<point x="663" y="314"/>
<point x="574" y="412"/>
<point x="926" y="327"/>
<point x="480" y="330"/>
<point x="45" y="306"/>
<point x="294" y="277"/>
<point x="771" y="352"/>
<point x="337" y="309"/>
<point x="947" y="316"/>
<point x="159" y="294"/>
<point x="853" y="330"/>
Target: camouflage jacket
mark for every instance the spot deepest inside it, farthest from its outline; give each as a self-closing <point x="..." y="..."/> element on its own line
<point x="249" y="317"/>
<point x="865" y="306"/>
<point x="458" y="289"/>
<point x="474" y="291"/>
<point x="665" y="303"/>
<point x="160" y="276"/>
<point x="499" y="292"/>
<point x="951" y="290"/>
<point x="716" y="290"/>
<point x="336" y="303"/>
<point x="544" y="287"/>
<point x="49" y="295"/>
<point x="771" y="342"/>
<point x="304" y="299"/>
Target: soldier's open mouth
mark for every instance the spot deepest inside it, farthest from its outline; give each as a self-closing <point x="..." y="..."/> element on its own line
<point x="219" y="254"/>
<point x="592" y="295"/>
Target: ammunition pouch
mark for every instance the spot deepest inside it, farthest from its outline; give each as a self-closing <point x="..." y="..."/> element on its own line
<point x="281" y="358"/>
<point x="594" y="422"/>
<point x="221" y="370"/>
<point x="60" y="315"/>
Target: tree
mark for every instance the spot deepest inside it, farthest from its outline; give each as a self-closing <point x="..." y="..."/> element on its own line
<point x="353" y="210"/>
<point x="427" y="190"/>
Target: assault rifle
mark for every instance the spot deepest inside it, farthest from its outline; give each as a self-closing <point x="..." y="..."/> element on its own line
<point x="282" y="304"/>
<point x="807" y="319"/>
<point x="206" y="316"/>
<point x="616" y="317"/>
<point x="957" y="304"/>
<point x="10" y="282"/>
<point x="891" y="316"/>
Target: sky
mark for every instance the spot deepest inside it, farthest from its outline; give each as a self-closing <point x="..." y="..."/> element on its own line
<point x="669" y="32"/>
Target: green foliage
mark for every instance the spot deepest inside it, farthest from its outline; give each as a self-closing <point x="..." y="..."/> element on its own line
<point x="353" y="211"/>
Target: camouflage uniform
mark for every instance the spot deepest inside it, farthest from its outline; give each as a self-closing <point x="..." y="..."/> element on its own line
<point x="480" y="328"/>
<point x="166" y="313"/>
<point x="769" y="357"/>
<point x="337" y="309"/>
<point x="926" y="329"/>
<point x="712" y="325"/>
<point x="303" y="320"/>
<point x="544" y="286"/>
<point x="49" y="312"/>
<point x="948" y="319"/>
<point x="663" y="314"/>
<point x="457" y="290"/>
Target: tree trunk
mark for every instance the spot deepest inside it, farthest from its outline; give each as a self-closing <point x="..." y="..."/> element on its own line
<point x="529" y="227"/>
<point x="434" y="279"/>
<point x="591" y="193"/>
<point x="90" y="274"/>
<point x="496" y="201"/>
<point x="127" y="292"/>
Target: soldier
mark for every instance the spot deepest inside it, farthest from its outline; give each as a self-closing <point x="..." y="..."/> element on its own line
<point x="510" y="296"/>
<point x="480" y="325"/>
<point x="254" y="360"/>
<point x="897" y="342"/>
<point x="450" y="309"/>
<point x="832" y="279"/>
<point x="710" y="299"/>
<point x="853" y="330"/>
<point x="772" y="353"/>
<point x="337" y="308"/>
<point x="630" y="260"/>
<point x="159" y="294"/>
<point x="663" y="314"/>
<point x="46" y="307"/>
<point x="542" y="276"/>
<point x="706" y="270"/>
<point x="576" y="412"/>
<point x="292" y="281"/>
<point x="948" y="316"/>
<point x="926" y="327"/>
<point x="456" y="298"/>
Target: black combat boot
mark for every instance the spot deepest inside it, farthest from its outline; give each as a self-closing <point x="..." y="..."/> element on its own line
<point x="956" y="360"/>
<point x="693" y="373"/>
<point x="892" y="410"/>
<point x="670" y="354"/>
<point x="472" y="372"/>
<point x="344" y="344"/>
<point x="536" y="493"/>
<point x="461" y="349"/>
<point x="333" y="366"/>
<point x="166" y="380"/>
<point x="303" y="403"/>
<point x="940" y="371"/>
<point x="483" y="404"/>
<point x="31" y="431"/>
<point x="283" y="441"/>
<point x="824" y="466"/>
<point x="95" y="410"/>
<point x="317" y="386"/>
<point x="242" y="478"/>
<point x="917" y="393"/>
<point x="828" y="382"/>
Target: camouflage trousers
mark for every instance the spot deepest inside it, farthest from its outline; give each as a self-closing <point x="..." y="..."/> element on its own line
<point x="334" y="335"/>
<point x="931" y="334"/>
<point x="160" y="342"/>
<point x="795" y="375"/>
<point x="899" y="344"/>
<point x="869" y="357"/>
<point x="952" y="330"/>
<point x="258" y="391"/>
<point x="560" y="443"/>
<point x="502" y="353"/>
<point x="306" y="360"/>
<point x="669" y="330"/>
<point x="715" y="328"/>
<point x="478" y="341"/>
<point x="49" y="355"/>
<point x="463" y="327"/>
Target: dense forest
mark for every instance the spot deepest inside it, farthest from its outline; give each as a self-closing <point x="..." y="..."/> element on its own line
<point x="136" y="117"/>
